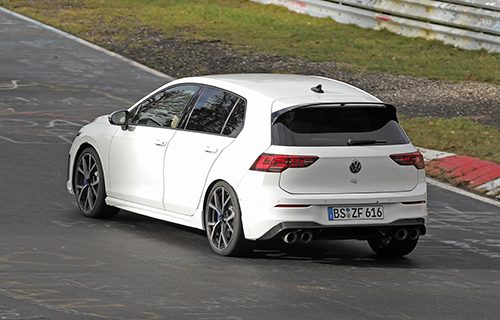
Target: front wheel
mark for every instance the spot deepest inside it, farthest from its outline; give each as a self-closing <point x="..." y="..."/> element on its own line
<point x="89" y="186"/>
<point x="223" y="222"/>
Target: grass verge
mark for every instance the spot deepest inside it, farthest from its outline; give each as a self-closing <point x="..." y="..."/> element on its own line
<point x="458" y="135"/>
<point x="267" y="29"/>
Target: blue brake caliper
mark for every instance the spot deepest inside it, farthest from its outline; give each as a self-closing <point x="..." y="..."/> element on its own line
<point x="85" y="178"/>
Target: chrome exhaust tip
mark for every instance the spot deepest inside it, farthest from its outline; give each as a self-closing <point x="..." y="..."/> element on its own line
<point x="306" y="237"/>
<point x="401" y="234"/>
<point x="290" y="237"/>
<point x="415" y="233"/>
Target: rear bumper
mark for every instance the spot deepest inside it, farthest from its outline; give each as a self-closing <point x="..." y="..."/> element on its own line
<point x="263" y="218"/>
<point x="360" y="232"/>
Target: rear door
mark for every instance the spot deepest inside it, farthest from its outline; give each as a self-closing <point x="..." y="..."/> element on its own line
<point x="212" y="125"/>
<point x="353" y="143"/>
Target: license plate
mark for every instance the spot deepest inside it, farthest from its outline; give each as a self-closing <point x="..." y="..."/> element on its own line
<point x="356" y="213"/>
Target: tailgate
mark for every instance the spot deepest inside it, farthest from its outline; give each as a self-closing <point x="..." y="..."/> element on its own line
<point x="336" y="171"/>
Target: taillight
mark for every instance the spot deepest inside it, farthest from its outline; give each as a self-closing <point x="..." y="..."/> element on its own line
<point x="279" y="163"/>
<point x="409" y="159"/>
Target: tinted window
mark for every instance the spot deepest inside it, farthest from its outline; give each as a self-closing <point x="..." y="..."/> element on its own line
<point x="234" y="123"/>
<point x="164" y="109"/>
<point x="338" y="126"/>
<point x="212" y="110"/>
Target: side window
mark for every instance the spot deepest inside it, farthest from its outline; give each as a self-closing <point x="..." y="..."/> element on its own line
<point x="211" y="111"/>
<point x="164" y="108"/>
<point x="234" y="123"/>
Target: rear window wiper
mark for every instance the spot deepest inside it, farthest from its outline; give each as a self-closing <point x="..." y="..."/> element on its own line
<point x="358" y="142"/>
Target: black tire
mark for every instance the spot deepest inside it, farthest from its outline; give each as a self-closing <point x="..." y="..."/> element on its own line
<point x="392" y="247"/>
<point x="223" y="222"/>
<point x="89" y="185"/>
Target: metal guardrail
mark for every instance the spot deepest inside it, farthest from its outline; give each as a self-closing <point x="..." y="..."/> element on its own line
<point x="468" y="24"/>
<point x="438" y="12"/>
<point x="485" y="4"/>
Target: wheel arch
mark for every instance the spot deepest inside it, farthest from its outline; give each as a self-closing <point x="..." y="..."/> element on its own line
<point x="91" y="203"/>
<point x="205" y="199"/>
<point x="237" y="245"/>
<point x="78" y="152"/>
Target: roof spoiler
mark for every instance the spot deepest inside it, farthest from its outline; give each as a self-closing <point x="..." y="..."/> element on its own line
<point x="390" y="107"/>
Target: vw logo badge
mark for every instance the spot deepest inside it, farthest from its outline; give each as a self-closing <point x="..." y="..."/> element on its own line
<point x="355" y="166"/>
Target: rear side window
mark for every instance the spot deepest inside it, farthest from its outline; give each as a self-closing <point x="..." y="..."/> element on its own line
<point x="234" y="123"/>
<point x="217" y="111"/>
<point x="338" y="126"/>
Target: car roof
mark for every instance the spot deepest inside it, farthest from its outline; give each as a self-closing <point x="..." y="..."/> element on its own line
<point x="286" y="89"/>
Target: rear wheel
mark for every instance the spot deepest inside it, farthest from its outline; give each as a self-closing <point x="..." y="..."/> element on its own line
<point x="89" y="186"/>
<point x="223" y="222"/>
<point x="390" y="246"/>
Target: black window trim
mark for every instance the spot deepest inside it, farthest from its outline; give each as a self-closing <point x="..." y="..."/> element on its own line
<point x="191" y="105"/>
<point x="230" y="114"/>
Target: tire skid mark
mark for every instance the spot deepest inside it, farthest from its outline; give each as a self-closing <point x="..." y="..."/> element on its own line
<point x="22" y="131"/>
<point x="31" y="291"/>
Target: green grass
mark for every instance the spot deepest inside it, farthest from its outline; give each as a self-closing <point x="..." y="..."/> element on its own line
<point x="458" y="135"/>
<point x="253" y="27"/>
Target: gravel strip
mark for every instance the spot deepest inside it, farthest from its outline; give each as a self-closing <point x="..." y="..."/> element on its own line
<point x="414" y="97"/>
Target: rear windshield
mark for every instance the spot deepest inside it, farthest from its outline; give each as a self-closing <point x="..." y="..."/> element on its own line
<point x="338" y="126"/>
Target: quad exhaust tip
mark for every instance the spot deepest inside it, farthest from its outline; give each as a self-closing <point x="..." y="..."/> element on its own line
<point x="415" y="233"/>
<point x="306" y="237"/>
<point x="290" y="237"/>
<point x="403" y="233"/>
<point x="294" y="236"/>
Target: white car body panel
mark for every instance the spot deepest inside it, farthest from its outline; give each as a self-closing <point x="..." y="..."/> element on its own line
<point x="136" y="164"/>
<point x="148" y="211"/>
<point x="186" y="169"/>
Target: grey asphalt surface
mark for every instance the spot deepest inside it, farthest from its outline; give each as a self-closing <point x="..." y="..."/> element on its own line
<point x="56" y="264"/>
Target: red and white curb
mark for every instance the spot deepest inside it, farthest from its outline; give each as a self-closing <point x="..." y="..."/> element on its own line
<point x="472" y="173"/>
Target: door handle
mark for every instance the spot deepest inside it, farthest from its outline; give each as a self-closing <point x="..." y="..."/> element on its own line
<point x="161" y="142"/>
<point x="210" y="149"/>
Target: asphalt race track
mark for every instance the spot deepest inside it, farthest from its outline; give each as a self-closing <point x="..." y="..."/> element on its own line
<point x="56" y="264"/>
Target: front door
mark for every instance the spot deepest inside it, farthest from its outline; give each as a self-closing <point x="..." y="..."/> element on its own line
<point x="137" y="154"/>
<point x="136" y="164"/>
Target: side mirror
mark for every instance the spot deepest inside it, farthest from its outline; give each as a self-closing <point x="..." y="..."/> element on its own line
<point x="120" y="118"/>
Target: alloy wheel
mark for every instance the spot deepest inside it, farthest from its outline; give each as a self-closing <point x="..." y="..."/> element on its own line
<point x="87" y="182"/>
<point x="220" y="219"/>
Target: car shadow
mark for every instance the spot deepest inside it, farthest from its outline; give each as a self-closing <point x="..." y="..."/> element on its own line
<point x="352" y="253"/>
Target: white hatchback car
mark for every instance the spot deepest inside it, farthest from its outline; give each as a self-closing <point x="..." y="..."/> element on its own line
<point x="255" y="157"/>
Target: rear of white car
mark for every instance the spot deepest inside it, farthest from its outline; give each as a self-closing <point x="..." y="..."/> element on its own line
<point x="337" y="171"/>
